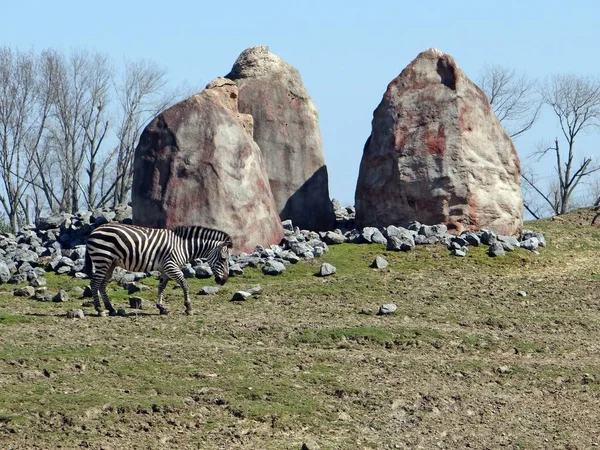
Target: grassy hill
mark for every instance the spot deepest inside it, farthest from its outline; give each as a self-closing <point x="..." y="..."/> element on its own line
<point x="464" y="361"/>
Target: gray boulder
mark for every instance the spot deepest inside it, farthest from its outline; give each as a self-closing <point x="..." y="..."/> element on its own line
<point x="401" y="243"/>
<point x="531" y="243"/>
<point x="388" y="308"/>
<point x="528" y="234"/>
<point x="4" y="272"/>
<point x="496" y="249"/>
<point x="379" y="263"/>
<point x="333" y="238"/>
<point x="209" y="290"/>
<point x="326" y="270"/>
<point x="272" y="267"/>
<point x="61" y="296"/>
<point x="27" y="291"/>
<point x="372" y="235"/>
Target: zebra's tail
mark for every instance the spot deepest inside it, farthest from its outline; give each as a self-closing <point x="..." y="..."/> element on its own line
<point x="88" y="268"/>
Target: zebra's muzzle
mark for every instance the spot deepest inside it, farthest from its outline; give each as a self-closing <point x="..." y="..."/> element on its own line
<point x="221" y="280"/>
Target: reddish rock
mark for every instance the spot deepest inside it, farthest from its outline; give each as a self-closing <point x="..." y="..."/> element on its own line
<point x="197" y="164"/>
<point x="438" y="154"/>
<point x="286" y="129"/>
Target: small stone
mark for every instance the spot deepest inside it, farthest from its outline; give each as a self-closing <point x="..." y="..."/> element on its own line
<point x="209" y="290"/>
<point x="61" y="296"/>
<point x="255" y="291"/>
<point x="503" y="369"/>
<point x="121" y="312"/>
<point x="326" y="270"/>
<point x="459" y="252"/>
<point x="379" y="263"/>
<point x="530" y="244"/>
<point x="522" y="294"/>
<point x="38" y="282"/>
<point x="136" y="302"/>
<point x="496" y="249"/>
<point x="234" y="270"/>
<point x="272" y="267"/>
<point x="334" y="238"/>
<point x="289" y="256"/>
<point x="27" y="291"/>
<point x="75" y="314"/>
<point x="77" y="290"/>
<point x="388" y="308"/>
<point x="401" y="243"/>
<point x="309" y="444"/>
<point x="241" y="296"/>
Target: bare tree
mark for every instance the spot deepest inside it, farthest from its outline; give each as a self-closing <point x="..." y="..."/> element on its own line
<point x="24" y="109"/>
<point x="142" y="93"/>
<point x="575" y="101"/>
<point x="79" y="123"/>
<point x="95" y="125"/>
<point x="514" y="98"/>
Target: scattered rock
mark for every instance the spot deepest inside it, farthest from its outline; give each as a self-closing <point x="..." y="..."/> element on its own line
<point x="272" y="267"/>
<point x="4" y="272"/>
<point x="27" y="291"/>
<point x="235" y="270"/>
<point x="136" y="302"/>
<point x="531" y="243"/>
<point x="61" y="296"/>
<point x="208" y="290"/>
<point x="379" y="263"/>
<point x="388" y="308"/>
<point x="372" y="235"/>
<point x="496" y="249"/>
<point x="326" y="270"/>
<point x="310" y="444"/>
<point x="400" y="243"/>
<point x="75" y="314"/>
<point x="241" y="296"/>
<point x="203" y="270"/>
<point x="255" y="291"/>
<point x="522" y="294"/>
<point x="333" y="238"/>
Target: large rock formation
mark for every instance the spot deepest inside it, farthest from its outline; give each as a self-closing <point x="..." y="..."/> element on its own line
<point x="286" y="129"/>
<point x="196" y="163"/>
<point x="438" y="154"/>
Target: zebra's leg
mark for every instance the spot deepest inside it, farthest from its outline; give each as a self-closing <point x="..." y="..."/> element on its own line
<point x="102" y="288"/>
<point x="162" y="284"/>
<point x="94" y="286"/>
<point x="175" y="273"/>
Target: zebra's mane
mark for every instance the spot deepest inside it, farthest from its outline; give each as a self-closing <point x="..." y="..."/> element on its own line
<point x="208" y="233"/>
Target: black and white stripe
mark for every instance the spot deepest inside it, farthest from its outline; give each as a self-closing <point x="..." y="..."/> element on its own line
<point x="141" y="249"/>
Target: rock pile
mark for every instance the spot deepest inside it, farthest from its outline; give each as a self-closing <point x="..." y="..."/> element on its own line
<point x="57" y="244"/>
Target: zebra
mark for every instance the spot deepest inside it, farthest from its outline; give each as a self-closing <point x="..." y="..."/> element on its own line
<point x="141" y="249"/>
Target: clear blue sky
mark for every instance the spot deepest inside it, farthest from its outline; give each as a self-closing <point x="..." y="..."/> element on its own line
<point x="346" y="54"/>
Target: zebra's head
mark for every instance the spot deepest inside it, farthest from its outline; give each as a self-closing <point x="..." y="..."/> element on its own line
<point x="219" y="261"/>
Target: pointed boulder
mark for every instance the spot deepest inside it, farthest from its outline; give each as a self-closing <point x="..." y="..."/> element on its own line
<point x="437" y="154"/>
